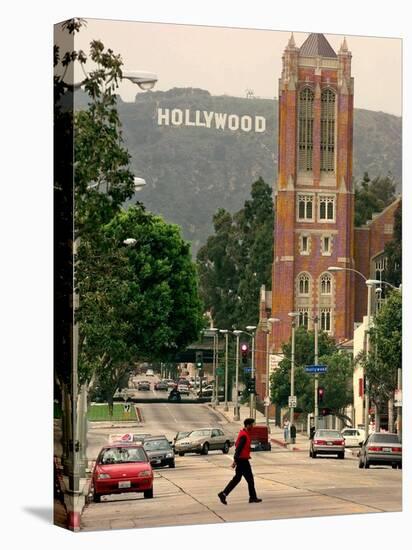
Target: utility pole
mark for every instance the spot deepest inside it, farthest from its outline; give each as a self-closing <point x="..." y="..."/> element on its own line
<point x="236" y="415"/>
<point x="367" y="350"/>
<point x="316" y="321"/>
<point x="270" y="322"/>
<point x="252" y="398"/>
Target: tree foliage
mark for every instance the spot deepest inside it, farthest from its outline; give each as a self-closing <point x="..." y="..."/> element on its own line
<point x="337" y="382"/>
<point x="372" y="196"/>
<point x="393" y="251"/>
<point x="237" y="260"/>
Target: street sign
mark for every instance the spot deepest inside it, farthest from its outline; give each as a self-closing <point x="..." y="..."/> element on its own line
<point x="247" y="369"/>
<point x="209" y="333"/>
<point x="316" y="369"/>
<point x="398" y="398"/>
<point x="292" y="401"/>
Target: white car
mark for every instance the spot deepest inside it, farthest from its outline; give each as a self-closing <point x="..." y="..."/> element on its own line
<point x="149" y="372"/>
<point x="183" y="388"/>
<point x="354" y="437"/>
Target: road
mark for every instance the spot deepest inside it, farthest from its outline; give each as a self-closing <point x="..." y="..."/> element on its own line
<point x="290" y="483"/>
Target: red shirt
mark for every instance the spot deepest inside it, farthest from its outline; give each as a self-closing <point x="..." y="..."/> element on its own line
<point x="243" y="445"/>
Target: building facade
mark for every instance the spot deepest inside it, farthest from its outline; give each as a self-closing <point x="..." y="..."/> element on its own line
<point x="314" y="205"/>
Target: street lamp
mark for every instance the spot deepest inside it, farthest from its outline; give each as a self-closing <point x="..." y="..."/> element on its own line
<point x="293" y="315"/>
<point x="236" y="415"/>
<point x="271" y="321"/>
<point x="370" y="283"/>
<point x="252" y="329"/>
<point x="215" y="392"/>
<point x="144" y="79"/>
<point x="226" y="333"/>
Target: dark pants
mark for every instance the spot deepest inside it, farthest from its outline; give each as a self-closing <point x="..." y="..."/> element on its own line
<point x="242" y="469"/>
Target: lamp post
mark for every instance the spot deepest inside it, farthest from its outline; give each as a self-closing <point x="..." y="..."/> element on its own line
<point x="293" y="315"/>
<point x="226" y="333"/>
<point x="215" y="392"/>
<point x="370" y="283"/>
<point x="252" y="330"/>
<point x="271" y="321"/>
<point x="236" y="415"/>
<point x="316" y="326"/>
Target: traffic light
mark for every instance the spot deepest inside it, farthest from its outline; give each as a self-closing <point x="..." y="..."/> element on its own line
<point x="321" y="394"/>
<point x="199" y="359"/>
<point x="251" y="385"/>
<point x="325" y="412"/>
<point x="245" y="353"/>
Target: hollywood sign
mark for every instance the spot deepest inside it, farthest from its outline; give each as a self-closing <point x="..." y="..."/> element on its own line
<point x="210" y="119"/>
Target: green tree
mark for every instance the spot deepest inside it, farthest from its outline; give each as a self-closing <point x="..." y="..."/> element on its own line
<point x="372" y="196"/>
<point x="237" y="260"/>
<point x="137" y="302"/>
<point x="337" y="382"/>
<point x="393" y="251"/>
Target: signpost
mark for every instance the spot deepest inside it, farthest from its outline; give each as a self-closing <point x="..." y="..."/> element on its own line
<point x="292" y="401"/>
<point x="316" y="369"/>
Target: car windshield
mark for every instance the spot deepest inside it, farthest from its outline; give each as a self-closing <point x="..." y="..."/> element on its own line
<point x="384" y="438"/>
<point x="328" y="433"/>
<point x="349" y="432"/>
<point x="181" y="435"/>
<point x="156" y="445"/>
<point x="120" y="455"/>
<point x="200" y="433"/>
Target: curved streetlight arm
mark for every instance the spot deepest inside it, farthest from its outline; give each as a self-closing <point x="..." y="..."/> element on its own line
<point x="333" y="269"/>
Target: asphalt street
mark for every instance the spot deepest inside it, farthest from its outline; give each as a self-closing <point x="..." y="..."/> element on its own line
<point x="291" y="484"/>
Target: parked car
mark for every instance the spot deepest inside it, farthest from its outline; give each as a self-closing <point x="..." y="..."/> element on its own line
<point x="122" y="468"/>
<point x="354" y="437"/>
<point x="161" y="386"/>
<point x="208" y="392"/>
<point x="170" y="383"/>
<point x="159" y="451"/>
<point x="143" y="385"/>
<point x="149" y="372"/>
<point x="381" y="448"/>
<point x="127" y="438"/>
<point x="327" y="442"/>
<point x="204" y="440"/>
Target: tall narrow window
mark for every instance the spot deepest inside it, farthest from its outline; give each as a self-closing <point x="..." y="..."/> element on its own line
<point x="327" y="131"/>
<point x="327" y="208"/>
<point x="303" y="319"/>
<point x="304" y="284"/>
<point x="305" y="114"/>
<point x="305" y="207"/>
<point x="326" y="284"/>
<point x="325" y="322"/>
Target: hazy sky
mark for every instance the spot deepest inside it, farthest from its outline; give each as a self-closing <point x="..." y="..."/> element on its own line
<point x="231" y="60"/>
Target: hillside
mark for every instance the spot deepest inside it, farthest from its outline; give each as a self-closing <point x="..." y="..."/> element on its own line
<point x="191" y="171"/>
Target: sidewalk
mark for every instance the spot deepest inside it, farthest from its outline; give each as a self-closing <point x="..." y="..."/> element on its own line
<point x="302" y="442"/>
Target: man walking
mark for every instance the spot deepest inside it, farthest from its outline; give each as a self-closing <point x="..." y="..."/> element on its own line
<point x="242" y="465"/>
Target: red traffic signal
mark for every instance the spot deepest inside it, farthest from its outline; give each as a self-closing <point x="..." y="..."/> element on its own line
<point x="245" y="352"/>
<point x="321" y="394"/>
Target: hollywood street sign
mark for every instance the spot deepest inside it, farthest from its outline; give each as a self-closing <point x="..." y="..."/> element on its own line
<point x="210" y="119"/>
<point x="316" y="369"/>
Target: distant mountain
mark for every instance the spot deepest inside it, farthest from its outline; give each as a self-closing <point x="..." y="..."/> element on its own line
<point x="191" y="171"/>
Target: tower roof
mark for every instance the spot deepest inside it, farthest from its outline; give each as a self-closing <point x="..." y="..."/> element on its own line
<point x="316" y="45"/>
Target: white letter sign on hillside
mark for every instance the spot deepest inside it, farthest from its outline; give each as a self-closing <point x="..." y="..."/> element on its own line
<point x="210" y="119"/>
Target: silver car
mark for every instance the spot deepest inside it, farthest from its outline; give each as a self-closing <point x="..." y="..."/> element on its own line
<point x="204" y="440"/>
<point x="327" y="442"/>
<point x="381" y="448"/>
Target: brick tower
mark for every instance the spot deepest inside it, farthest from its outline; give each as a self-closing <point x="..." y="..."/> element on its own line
<point x="314" y="201"/>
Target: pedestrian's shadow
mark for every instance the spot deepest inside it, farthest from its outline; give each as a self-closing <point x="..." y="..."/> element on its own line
<point x="44" y="513"/>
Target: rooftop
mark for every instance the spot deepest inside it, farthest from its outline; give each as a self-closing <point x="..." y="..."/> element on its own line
<point x="316" y="45"/>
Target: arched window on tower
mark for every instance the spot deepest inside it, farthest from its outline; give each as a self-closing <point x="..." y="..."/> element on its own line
<point x="305" y="118"/>
<point x="326" y="284"/>
<point x="303" y="284"/>
<point x="327" y="131"/>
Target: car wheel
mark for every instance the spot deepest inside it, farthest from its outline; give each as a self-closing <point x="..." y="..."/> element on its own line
<point x="96" y="497"/>
<point x="205" y="449"/>
<point x="181" y="454"/>
<point x="172" y="464"/>
<point x="341" y="455"/>
<point x="394" y="465"/>
<point x="225" y="449"/>
<point x="400" y="465"/>
<point x="314" y="455"/>
<point x="148" y="493"/>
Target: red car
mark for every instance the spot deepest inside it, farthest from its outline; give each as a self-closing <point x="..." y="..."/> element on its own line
<point x="122" y="468"/>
